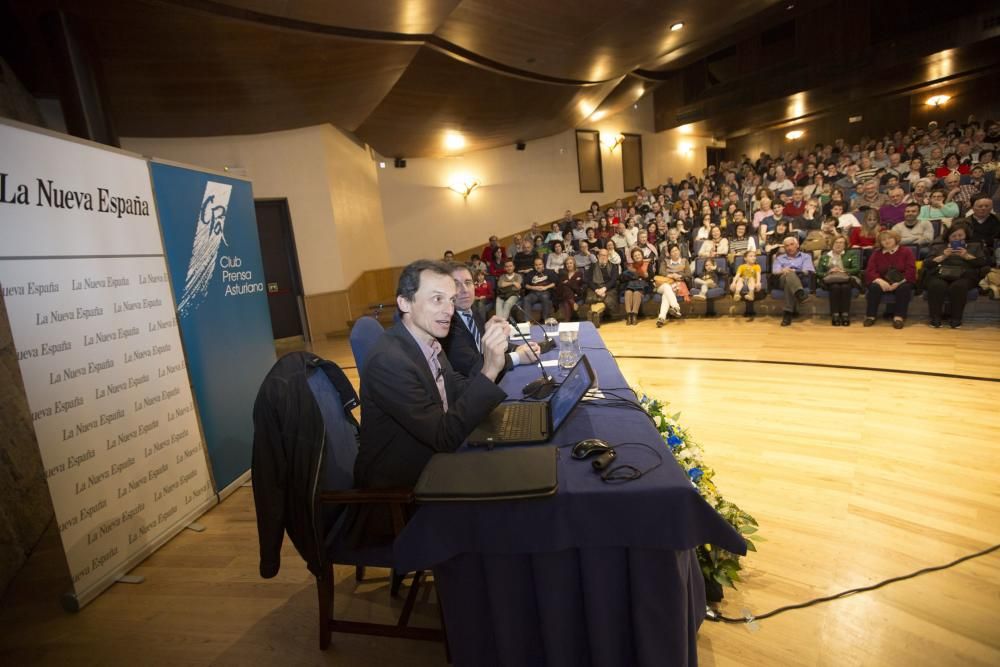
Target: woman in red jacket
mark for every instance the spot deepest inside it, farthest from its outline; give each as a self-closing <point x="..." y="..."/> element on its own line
<point x="890" y="270"/>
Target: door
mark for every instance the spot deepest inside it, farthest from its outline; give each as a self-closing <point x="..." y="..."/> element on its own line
<point x="715" y="155"/>
<point x="281" y="268"/>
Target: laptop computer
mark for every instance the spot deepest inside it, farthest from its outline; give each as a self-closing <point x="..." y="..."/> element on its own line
<point x="529" y="422"/>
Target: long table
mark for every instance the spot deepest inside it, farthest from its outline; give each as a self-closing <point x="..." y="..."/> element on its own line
<point x="599" y="574"/>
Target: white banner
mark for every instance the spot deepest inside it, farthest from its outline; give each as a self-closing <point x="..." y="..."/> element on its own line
<point x="85" y="283"/>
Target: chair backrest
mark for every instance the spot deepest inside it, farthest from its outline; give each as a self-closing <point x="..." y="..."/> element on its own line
<point x="761" y="261"/>
<point x="364" y="333"/>
<point x="341" y="438"/>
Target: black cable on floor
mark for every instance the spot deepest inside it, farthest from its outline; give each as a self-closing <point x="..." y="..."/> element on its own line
<point x="719" y="618"/>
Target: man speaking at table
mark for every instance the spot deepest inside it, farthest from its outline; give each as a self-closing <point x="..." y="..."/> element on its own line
<point x="413" y="403"/>
<point x="463" y="344"/>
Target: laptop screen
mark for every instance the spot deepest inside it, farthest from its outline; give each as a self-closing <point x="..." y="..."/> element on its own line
<point x="572" y="389"/>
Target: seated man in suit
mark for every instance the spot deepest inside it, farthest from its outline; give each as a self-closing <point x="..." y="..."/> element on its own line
<point x="463" y="344"/>
<point x="413" y="403"/>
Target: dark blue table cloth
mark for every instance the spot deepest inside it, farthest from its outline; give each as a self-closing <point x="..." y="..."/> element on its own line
<point x="599" y="574"/>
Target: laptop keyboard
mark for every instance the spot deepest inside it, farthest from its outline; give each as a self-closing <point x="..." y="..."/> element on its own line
<point x="519" y="421"/>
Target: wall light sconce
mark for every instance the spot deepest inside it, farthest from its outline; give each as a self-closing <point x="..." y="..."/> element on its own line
<point x="938" y="100"/>
<point x="612" y="141"/>
<point x="464" y="186"/>
<point x="685" y="147"/>
<point x="794" y="134"/>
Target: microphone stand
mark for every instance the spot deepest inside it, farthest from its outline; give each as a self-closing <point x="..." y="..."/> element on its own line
<point x="543" y="386"/>
<point x="546" y="345"/>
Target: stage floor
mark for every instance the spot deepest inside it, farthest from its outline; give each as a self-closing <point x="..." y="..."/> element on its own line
<point x="864" y="454"/>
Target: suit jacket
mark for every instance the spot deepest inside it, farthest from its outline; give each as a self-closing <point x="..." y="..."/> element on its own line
<point x="403" y="423"/>
<point x="460" y="346"/>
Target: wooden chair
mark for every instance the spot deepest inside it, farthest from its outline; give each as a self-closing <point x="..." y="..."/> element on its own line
<point x="395" y="499"/>
<point x="332" y="501"/>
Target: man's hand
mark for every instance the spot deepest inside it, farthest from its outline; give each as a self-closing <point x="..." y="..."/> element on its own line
<point x="883" y="284"/>
<point x="601" y="291"/>
<point x="495" y="347"/>
<point x="524" y="355"/>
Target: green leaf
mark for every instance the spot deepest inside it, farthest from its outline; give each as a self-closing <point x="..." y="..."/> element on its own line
<point x="750" y="545"/>
<point x="722" y="579"/>
<point x="748" y="530"/>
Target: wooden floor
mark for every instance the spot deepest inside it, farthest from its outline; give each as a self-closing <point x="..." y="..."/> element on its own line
<point x="855" y="475"/>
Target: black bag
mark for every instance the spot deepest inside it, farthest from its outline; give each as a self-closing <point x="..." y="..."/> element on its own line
<point x="894" y="275"/>
<point x="950" y="272"/>
<point x="836" y="278"/>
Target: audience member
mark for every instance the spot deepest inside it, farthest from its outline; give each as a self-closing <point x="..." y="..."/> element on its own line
<point x="951" y="274"/>
<point x="570" y="290"/>
<point x="635" y="280"/>
<point x="539" y="285"/>
<point x="984" y="226"/>
<point x="913" y="231"/>
<point x="839" y="271"/>
<point x="866" y="235"/>
<point x="555" y="260"/>
<point x="890" y="269"/>
<point x="789" y="270"/>
<point x="509" y="290"/>
<point x="601" y="279"/>
<point x="670" y="281"/>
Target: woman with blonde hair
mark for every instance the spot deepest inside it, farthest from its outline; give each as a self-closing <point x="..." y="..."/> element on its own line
<point x="865" y="235"/>
<point x="890" y="270"/>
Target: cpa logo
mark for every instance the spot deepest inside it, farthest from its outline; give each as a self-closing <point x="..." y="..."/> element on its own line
<point x="208" y="236"/>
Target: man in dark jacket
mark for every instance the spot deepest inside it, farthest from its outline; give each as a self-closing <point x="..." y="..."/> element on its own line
<point x="601" y="279"/>
<point x="463" y="344"/>
<point x="413" y="404"/>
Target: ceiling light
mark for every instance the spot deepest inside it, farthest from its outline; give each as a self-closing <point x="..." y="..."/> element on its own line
<point x="938" y="100"/>
<point x="454" y="141"/>
<point x="677" y="26"/>
<point x="794" y="134"/>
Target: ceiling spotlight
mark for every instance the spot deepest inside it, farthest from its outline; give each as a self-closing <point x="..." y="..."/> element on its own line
<point x="454" y="141"/>
<point x="677" y="26"/>
<point x="938" y="100"/>
<point x="794" y="134"/>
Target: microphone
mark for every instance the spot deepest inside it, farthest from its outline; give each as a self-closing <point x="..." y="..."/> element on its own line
<point x="543" y="386"/>
<point x="546" y="345"/>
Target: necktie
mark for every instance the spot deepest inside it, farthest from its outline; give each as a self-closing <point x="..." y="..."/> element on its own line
<point x="438" y="372"/>
<point x="471" y="323"/>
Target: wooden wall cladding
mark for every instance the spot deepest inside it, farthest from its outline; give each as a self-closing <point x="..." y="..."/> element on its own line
<point x="331" y="313"/>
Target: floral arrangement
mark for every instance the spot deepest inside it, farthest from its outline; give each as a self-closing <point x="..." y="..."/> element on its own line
<point x="719" y="567"/>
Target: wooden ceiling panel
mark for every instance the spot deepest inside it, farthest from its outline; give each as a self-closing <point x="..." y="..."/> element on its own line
<point x="587" y="40"/>
<point x="174" y="72"/>
<point x="413" y="17"/>
<point x="439" y="94"/>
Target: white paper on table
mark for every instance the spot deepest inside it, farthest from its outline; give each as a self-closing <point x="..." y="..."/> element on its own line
<point x="569" y="326"/>
<point x="548" y="363"/>
<point x="593" y="395"/>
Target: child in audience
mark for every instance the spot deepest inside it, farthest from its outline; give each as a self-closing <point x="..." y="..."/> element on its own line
<point x="483" y="302"/>
<point x="748" y="275"/>
<point x="476" y="264"/>
<point x="709" y="278"/>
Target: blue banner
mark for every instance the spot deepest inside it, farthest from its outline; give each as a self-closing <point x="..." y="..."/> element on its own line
<point x="213" y="253"/>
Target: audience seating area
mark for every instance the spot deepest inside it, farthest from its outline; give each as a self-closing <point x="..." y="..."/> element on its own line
<point x="814" y="195"/>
